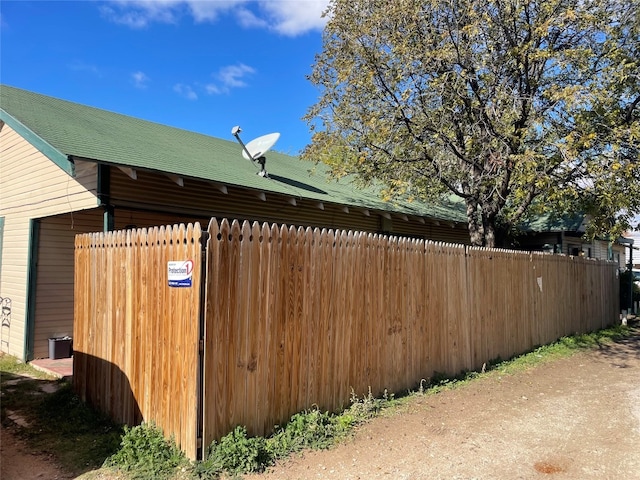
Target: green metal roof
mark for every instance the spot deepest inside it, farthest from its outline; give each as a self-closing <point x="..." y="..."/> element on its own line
<point x="62" y="129"/>
<point x="570" y="222"/>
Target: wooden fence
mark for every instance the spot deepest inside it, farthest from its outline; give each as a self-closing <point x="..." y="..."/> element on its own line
<point x="136" y="339"/>
<point x="298" y="317"/>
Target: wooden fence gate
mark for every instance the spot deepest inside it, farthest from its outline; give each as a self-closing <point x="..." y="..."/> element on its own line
<point x="136" y="339"/>
<point x="278" y="319"/>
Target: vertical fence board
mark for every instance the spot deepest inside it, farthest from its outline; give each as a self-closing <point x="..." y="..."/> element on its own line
<point x="312" y="332"/>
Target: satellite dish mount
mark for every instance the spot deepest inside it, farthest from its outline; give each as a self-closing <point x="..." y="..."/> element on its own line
<point x="256" y="148"/>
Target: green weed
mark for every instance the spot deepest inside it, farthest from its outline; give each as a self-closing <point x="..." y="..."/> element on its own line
<point x="145" y="453"/>
<point x="368" y="406"/>
<point x="310" y="429"/>
<point x="238" y="453"/>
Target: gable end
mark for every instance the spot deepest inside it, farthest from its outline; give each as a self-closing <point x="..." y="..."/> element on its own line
<point x="53" y="154"/>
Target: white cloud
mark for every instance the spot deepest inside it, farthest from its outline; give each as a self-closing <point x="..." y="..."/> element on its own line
<point x="78" y="66"/>
<point x="140" y="80"/>
<point x="185" y="91"/>
<point x="141" y="13"/>
<point x="231" y="76"/>
<point x="292" y="18"/>
<point x="208" y="10"/>
<point x="247" y="19"/>
<point x="287" y="17"/>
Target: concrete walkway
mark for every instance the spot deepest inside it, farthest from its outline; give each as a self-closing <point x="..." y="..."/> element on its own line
<point x="61" y="368"/>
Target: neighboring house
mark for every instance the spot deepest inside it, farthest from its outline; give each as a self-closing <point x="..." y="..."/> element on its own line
<point x="565" y="235"/>
<point x="66" y="169"/>
<point x="634" y="244"/>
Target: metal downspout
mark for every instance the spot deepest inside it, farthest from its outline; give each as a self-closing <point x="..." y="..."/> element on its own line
<point x="104" y="197"/>
<point x="32" y="270"/>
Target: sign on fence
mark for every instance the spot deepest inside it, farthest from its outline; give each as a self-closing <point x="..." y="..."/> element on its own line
<point x="180" y="273"/>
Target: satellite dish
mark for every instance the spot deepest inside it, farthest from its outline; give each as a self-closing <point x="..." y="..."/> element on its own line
<point x="256" y="148"/>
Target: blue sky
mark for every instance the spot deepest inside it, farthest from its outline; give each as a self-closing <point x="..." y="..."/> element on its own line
<point x="201" y="65"/>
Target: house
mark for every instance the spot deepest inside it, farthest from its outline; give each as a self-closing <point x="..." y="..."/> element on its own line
<point x="67" y="168"/>
<point x="565" y="235"/>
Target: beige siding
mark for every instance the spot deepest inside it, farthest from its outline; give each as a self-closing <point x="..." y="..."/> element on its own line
<point x="35" y="187"/>
<point x="54" y="279"/>
<point x="14" y="275"/>
<point x="31" y="187"/>
<point x="600" y="250"/>
<point x="619" y="255"/>
<point x="54" y="284"/>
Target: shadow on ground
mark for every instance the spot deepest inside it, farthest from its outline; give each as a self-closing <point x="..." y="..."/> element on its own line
<point x="50" y="419"/>
<point x="620" y="350"/>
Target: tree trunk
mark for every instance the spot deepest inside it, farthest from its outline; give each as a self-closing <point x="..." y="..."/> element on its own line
<point x="476" y="230"/>
<point x="489" y="235"/>
<point x="481" y="221"/>
<point x="476" y="235"/>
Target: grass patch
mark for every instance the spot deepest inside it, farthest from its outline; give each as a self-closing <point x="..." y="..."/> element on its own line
<point x="11" y="368"/>
<point x="563" y="347"/>
<point x="54" y="422"/>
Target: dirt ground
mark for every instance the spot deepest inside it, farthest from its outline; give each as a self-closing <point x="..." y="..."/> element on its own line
<point x="575" y="418"/>
<point x="18" y="462"/>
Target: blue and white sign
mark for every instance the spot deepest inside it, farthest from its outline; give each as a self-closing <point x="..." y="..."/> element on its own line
<point x="180" y="273"/>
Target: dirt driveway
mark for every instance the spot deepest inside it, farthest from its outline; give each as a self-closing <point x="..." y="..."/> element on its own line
<point x="575" y="418"/>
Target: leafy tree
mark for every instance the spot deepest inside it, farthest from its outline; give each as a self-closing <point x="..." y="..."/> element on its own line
<point x="512" y="105"/>
<point x="612" y="193"/>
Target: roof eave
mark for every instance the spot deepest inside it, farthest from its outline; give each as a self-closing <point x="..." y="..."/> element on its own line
<point x="451" y="222"/>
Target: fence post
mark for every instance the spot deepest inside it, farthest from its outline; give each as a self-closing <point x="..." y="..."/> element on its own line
<point x="204" y="241"/>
